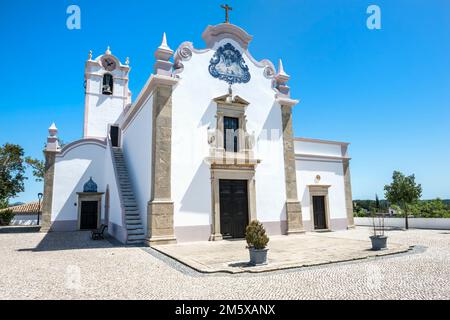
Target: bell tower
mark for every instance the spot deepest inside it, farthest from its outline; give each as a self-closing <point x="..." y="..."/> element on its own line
<point x="106" y="93"/>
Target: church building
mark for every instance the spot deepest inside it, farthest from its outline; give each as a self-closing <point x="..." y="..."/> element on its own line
<point x="206" y="147"/>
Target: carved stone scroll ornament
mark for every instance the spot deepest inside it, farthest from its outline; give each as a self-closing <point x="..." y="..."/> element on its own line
<point x="184" y="53"/>
<point x="211" y="137"/>
<point x="269" y="72"/>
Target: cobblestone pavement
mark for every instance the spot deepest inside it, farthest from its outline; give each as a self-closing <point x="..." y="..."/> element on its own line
<point x="70" y="266"/>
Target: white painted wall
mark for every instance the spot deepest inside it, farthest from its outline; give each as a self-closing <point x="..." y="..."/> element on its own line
<point x="137" y="149"/>
<point x="194" y="112"/>
<point x="331" y="173"/>
<point x="72" y="170"/>
<point x="419" y="223"/>
<point x="24" y="220"/>
<point x="115" y="210"/>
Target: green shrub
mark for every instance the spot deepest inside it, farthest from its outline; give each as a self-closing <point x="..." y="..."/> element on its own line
<point x="429" y="209"/>
<point x="255" y="234"/>
<point x="360" y="213"/>
<point x="6" y="216"/>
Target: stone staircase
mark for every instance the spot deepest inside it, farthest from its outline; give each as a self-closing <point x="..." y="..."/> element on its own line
<point x="133" y="223"/>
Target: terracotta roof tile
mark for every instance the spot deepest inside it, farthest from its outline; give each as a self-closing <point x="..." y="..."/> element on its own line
<point x="26" y="208"/>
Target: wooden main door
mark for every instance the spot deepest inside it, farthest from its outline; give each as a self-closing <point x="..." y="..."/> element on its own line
<point x="89" y="215"/>
<point x="320" y="220"/>
<point x="233" y="208"/>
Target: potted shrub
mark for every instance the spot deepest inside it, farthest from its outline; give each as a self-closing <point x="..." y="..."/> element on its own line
<point x="257" y="240"/>
<point x="379" y="239"/>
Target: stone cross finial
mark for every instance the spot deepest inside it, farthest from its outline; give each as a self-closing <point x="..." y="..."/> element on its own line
<point x="90" y="55"/>
<point x="226" y="8"/>
<point x="108" y="50"/>
<point x="127" y="61"/>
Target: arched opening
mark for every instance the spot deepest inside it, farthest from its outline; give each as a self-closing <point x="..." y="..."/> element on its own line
<point x="108" y="83"/>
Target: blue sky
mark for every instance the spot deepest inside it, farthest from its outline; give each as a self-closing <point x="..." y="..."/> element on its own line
<point x="386" y="91"/>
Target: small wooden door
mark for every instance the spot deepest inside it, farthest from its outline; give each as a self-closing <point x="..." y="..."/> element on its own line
<point x="320" y="221"/>
<point x="233" y="208"/>
<point x="114" y="134"/>
<point x="89" y="215"/>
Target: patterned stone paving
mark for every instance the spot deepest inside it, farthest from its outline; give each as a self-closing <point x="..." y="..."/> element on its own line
<point x="70" y="266"/>
<point x="285" y="252"/>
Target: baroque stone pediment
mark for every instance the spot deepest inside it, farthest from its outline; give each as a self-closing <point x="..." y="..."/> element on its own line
<point x="227" y="99"/>
<point x="213" y="34"/>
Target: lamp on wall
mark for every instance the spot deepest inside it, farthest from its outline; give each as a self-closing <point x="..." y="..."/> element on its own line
<point x="40" y="195"/>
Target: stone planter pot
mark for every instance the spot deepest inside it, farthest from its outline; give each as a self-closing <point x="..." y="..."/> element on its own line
<point x="378" y="242"/>
<point x="258" y="256"/>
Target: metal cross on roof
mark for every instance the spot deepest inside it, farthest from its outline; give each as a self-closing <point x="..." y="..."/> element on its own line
<point x="227" y="8"/>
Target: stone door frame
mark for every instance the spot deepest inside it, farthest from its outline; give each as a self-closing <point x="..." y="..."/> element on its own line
<point x="226" y="173"/>
<point x="90" y="196"/>
<point x="319" y="190"/>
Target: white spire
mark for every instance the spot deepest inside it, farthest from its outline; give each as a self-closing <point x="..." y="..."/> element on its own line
<point x="281" y="69"/>
<point x="164" y="43"/>
<point x="281" y="79"/>
<point x="52" y="139"/>
<point x="53" y="129"/>
<point x="163" y="53"/>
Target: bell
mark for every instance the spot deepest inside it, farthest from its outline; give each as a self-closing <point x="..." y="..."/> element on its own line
<point x="107" y="90"/>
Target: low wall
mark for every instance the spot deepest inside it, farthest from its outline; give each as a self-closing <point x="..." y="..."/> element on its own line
<point x="24" y="220"/>
<point x="418" y="223"/>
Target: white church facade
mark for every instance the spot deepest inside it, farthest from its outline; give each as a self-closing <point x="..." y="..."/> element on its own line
<point x="206" y="147"/>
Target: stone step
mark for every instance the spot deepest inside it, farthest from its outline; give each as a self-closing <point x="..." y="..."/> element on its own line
<point x="133" y="222"/>
<point x="131" y="214"/>
<point x="135" y="242"/>
<point x="136" y="237"/>
<point x="135" y="226"/>
<point x="135" y="232"/>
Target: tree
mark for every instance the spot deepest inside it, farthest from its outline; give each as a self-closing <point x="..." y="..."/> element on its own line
<point x="403" y="191"/>
<point x="38" y="167"/>
<point x="12" y="171"/>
